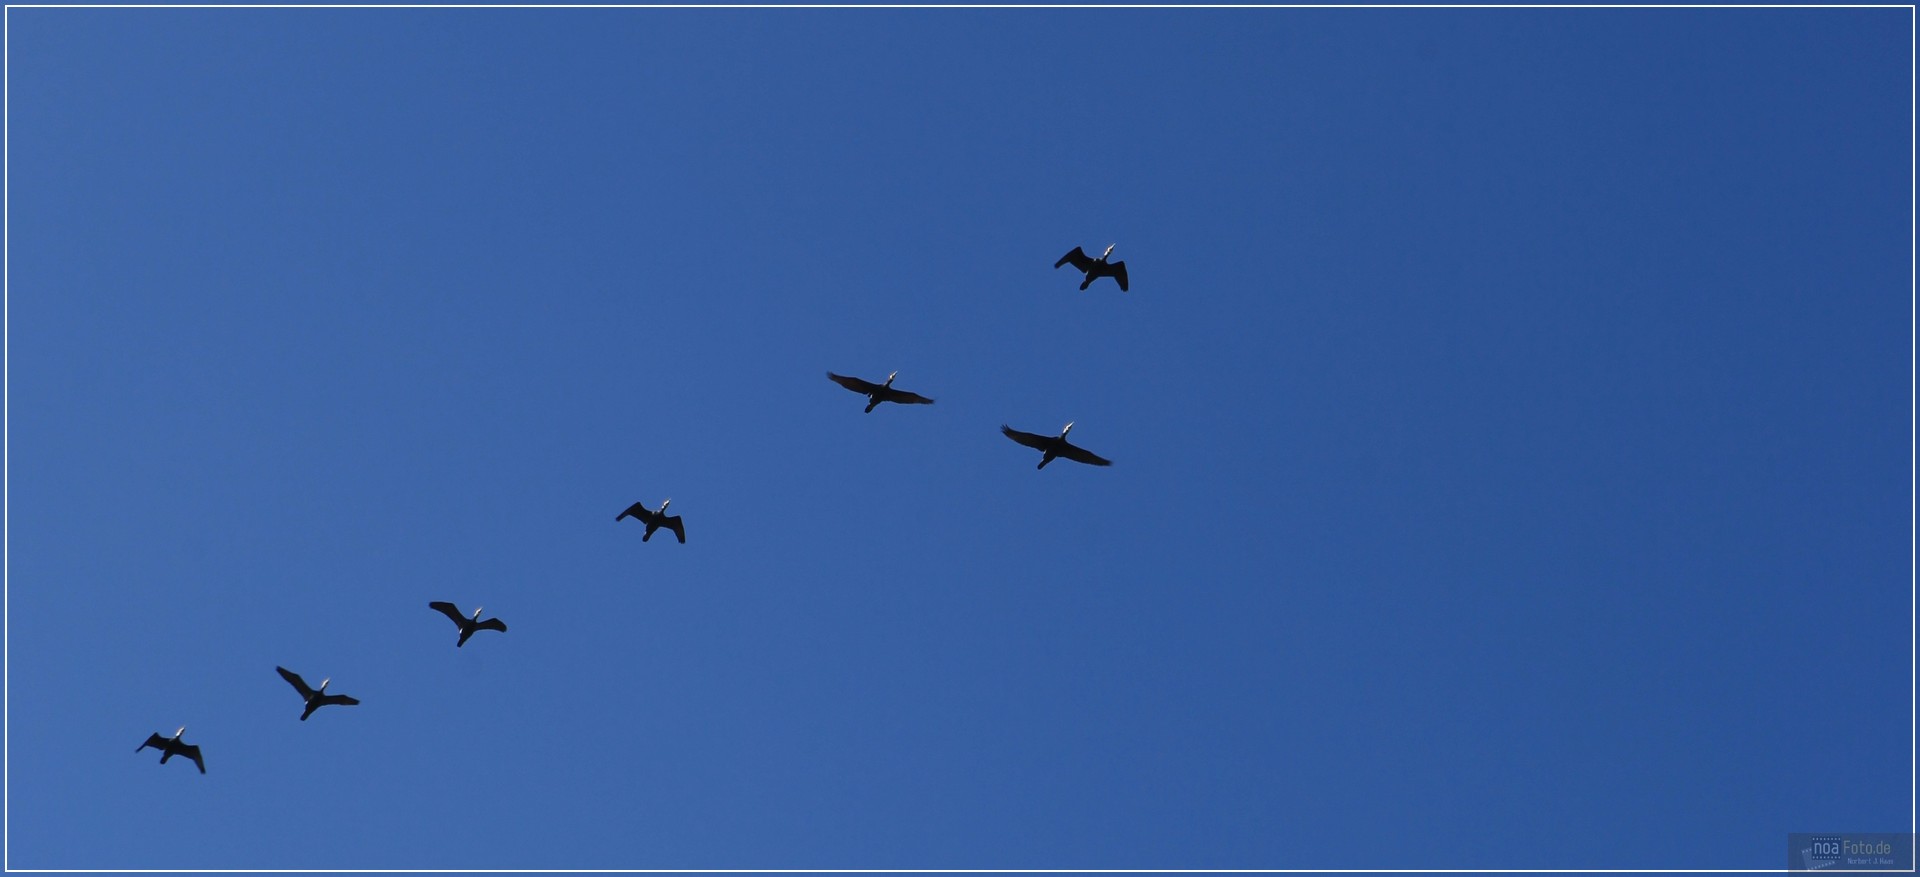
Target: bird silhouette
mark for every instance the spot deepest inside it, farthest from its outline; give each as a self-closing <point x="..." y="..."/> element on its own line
<point x="170" y="748"/>
<point x="654" y="520"/>
<point x="1051" y="446"/>
<point x="878" y="393"/>
<point x="467" y="625"/>
<point x="1096" y="268"/>
<point x="315" y="697"/>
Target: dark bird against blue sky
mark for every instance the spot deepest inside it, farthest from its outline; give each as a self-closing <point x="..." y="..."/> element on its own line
<point x="467" y="625"/>
<point x="655" y="520"/>
<point x="1052" y="446"/>
<point x="878" y="393"/>
<point x="1095" y="268"/>
<point x="170" y="747"/>
<point x="314" y="698"/>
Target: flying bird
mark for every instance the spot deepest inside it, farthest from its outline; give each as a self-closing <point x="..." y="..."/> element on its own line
<point x="467" y="625"/>
<point x="1096" y="268"/>
<point x="878" y="393"/>
<point x="170" y="748"/>
<point x="315" y="698"/>
<point x="1051" y="446"/>
<point x="654" y="520"/>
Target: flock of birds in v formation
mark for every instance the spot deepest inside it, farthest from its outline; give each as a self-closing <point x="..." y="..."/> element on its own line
<point x="1049" y="446"/>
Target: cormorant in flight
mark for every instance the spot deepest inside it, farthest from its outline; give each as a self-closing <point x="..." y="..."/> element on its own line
<point x="878" y="393"/>
<point x="170" y="748"/>
<point x="467" y="625"/>
<point x="1096" y="268"/>
<point x="315" y="698"/>
<point x="1055" y="446"/>
<point x="655" y="520"/>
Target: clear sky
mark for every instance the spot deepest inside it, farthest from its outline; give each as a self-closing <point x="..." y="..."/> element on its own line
<point x="1510" y="425"/>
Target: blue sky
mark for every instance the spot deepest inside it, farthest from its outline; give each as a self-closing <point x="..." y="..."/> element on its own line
<point x="1510" y="418"/>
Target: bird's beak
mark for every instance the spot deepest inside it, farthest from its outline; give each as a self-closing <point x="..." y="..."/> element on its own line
<point x="183" y="730"/>
<point x="323" y="683"/>
<point x="1068" y="428"/>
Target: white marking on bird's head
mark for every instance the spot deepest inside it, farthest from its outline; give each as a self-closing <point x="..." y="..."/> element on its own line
<point x="183" y="730"/>
<point x="891" y="376"/>
<point x="323" y="683"/>
<point x="1067" y="429"/>
<point x="663" y="505"/>
<point x="476" y="612"/>
<point x="1109" y="252"/>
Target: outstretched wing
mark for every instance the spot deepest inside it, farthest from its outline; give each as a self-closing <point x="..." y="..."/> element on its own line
<point x="1078" y="258"/>
<point x="1081" y="455"/>
<point x="905" y="398"/>
<point x="156" y="741"/>
<point x="1039" y="442"/>
<point x="492" y="624"/>
<point x="1115" y="270"/>
<point x="637" y="510"/>
<point x="191" y="751"/>
<point x="672" y="522"/>
<point x="854" y="384"/>
<point x="341" y="699"/>
<point x="449" y="610"/>
<point x="294" y="680"/>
